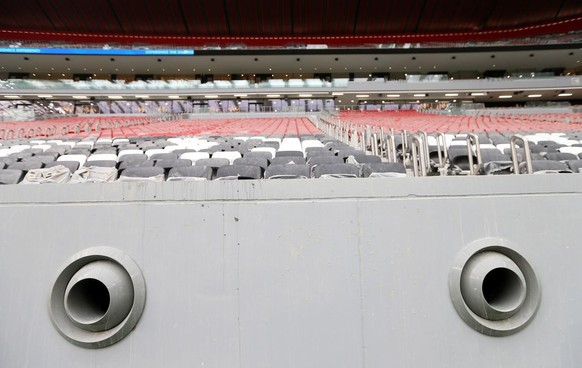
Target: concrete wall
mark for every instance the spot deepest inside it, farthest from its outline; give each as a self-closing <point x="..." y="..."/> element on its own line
<point x="313" y="273"/>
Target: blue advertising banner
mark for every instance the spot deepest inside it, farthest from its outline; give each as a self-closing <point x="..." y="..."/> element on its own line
<point x="108" y="52"/>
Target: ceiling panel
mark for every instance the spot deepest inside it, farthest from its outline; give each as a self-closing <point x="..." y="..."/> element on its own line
<point x="262" y="18"/>
<point x="14" y="16"/>
<point x="569" y="8"/>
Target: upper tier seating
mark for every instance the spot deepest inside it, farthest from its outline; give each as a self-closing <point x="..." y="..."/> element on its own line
<point x="270" y="148"/>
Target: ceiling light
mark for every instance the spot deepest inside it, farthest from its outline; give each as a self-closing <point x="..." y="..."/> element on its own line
<point x="420" y="95"/>
<point x="505" y="96"/>
<point x="533" y="96"/>
<point x="11" y="96"/>
<point x="174" y="97"/>
<point x="211" y="96"/>
<point x="240" y="95"/>
<point x="142" y="96"/>
<point x="337" y="93"/>
<point x="451" y="94"/>
<point x="45" y="96"/>
<point x="362" y="96"/>
<point x="565" y="94"/>
<point x="116" y="97"/>
<point x="79" y="97"/>
<point x="273" y="96"/>
<point x="478" y="94"/>
<point x="392" y="95"/>
<point x="305" y="95"/>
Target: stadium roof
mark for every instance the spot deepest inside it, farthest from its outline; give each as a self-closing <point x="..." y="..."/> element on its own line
<point x="261" y="22"/>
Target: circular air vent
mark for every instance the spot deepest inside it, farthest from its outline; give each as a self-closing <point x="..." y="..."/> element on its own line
<point x="493" y="288"/>
<point x="97" y="298"/>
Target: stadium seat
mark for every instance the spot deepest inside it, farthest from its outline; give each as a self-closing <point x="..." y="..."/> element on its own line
<point x="71" y="165"/>
<point x="229" y="155"/>
<point x="288" y="171"/>
<point x="190" y="173"/>
<point x="94" y="174"/>
<point x="289" y="154"/>
<point x="172" y="163"/>
<point x="238" y="172"/>
<point x="135" y="163"/>
<point x="319" y="160"/>
<point x="364" y="159"/>
<point x="336" y="171"/>
<point x="142" y="174"/>
<point x="560" y="156"/>
<point x="8" y="176"/>
<point x="163" y="156"/>
<point x="101" y="163"/>
<point x="288" y="160"/>
<point x="81" y="159"/>
<point x="26" y="165"/>
<point x="382" y="170"/>
<point x="546" y="167"/>
<point x="263" y="163"/>
<point x="58" y="174"/>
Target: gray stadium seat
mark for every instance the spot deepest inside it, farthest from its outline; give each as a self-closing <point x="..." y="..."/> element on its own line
<point x="384" y="169"/>
<point x="559" y="156"/>
<point x="546" y="166"/>
<point x="164" y="156"/>
<point x="101" y="163"/>
<point x="575" y="165"/>
<point x="319" y="160"/>
<point x="263" y="163"/>
<point x="288" y="160"/>
<point x="257" y="154"/>
<point x="71" y="165"/>
<point x="239" y="172"/>
<point x="366" y="159"/>
<point x="9" y="176"/>
<point x="171" y="163"/>
<point x="142" y="173"/>
<point x="135" y="163"/>
<point x="288" y="171"/>
<point x="289" y="154"/>
<point x="336" y="171"/>
<point x="345" y="153"/>
<point x="185" y="173"/>
<point x="26" y="165"/>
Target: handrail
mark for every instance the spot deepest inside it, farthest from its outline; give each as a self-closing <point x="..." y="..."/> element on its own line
<point x="404" y="142"/>
<point x="514" y="159"/>
<point x="382" y="147"/>
<point x="442" y="151"/>
<point x="417" y="146"/>
<point x="374" y="147"/>
<point x="391" y="147"/>
<point x="424" y="136"/>
<point x="473" y="139"/>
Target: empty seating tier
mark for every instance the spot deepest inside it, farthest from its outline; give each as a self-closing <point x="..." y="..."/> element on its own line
<point x="415" y="121"/>
<point x="142" y="149"/>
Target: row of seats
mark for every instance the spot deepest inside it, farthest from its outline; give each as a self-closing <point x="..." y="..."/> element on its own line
<point x="62" y="174"/>
<point x="188" y="158"/>
<point x="550" y="152"/>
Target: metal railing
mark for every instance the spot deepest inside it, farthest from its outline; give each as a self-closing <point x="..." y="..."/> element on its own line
<point x="514" y="156"/>
<point x="473" y="139"/>
<point x="418" y="156"/>
<point x="416" y="153"/>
